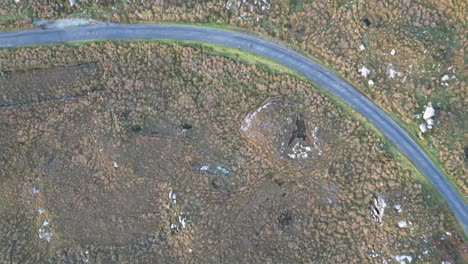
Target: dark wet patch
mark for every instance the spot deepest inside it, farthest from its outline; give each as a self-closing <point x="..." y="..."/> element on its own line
<point x="187" y="126"/>
<point x="299" y="132"/>
<point x="61" y="82"/>
<point x="285" y="219"/>
<point x="366" y="22"/>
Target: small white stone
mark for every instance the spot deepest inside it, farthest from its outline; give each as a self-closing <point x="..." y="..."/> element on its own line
<point x="430" y="122"/>
<point x="423" y="128"/>
<point x="370" y="82"/>
<point x="362" y="47"/>
<point x="392" y="52"/>
<point x="445" y="78"/>
<point x="40" y="211"/>
<point x="429" y="112"/>
<point x="402" y="224"/>
<point x="364" y="71"/>
<point x="398" y="207"/>
<point x="116" y="165"/>
<point x="403" y="258"/>
<point x="45" y="223"/>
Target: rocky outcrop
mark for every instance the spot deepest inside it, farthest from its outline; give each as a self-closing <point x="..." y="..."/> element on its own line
<point x="378" y="208"/>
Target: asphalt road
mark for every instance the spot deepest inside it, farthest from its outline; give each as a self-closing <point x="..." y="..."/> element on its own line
<point x="276" y="52"/>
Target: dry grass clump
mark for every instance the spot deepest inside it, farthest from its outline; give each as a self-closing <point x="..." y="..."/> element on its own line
<point x="162" y="113"/>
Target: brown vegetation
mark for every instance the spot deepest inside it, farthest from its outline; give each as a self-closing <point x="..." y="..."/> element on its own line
<point x="164" y="111"/>
<point x="428" y="38"/>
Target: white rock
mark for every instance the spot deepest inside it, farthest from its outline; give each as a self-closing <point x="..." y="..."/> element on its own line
<point x="423" y="128"/>
<point x="17" y="1"/>
<point x="362" y="47"/>
<point x="430" y="122"/>
<point x="429" y="112"/>
<point x="445" y="78"/>
<point x="403" y="258"/>
<point x="392" y="73"/>
<point x="40" y="211"/>
<point x="34" y="190"/>
<point x="398" y="207"/>
<point x="72" y="2"/>
<point x="370" y="82"/>
<point x="378" y="208"/>
<point x="182" y="221"/>
<point x="402" y="224"/>
<point x="364" y="71"/>
<point x="392" y="52"/>
<point x="116" y="165"/>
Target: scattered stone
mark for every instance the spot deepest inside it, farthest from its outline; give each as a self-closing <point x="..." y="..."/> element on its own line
<point x="173" y="196"/>
<point x="34" y="190"/>
<point x="361" y="47"/>
<point x="402" y="224"/>
<point x="403" y="258"/>
<point x="398" y="208"/>
<point x="392" y="52"/>
<point x="364" y="71"/>
<point x="429" y="111"/>
<point x="182" y="221"/>
<point x="378" y="208"/>
<point x="430" y="122"/>
<point x="44" y="231"/>
<point x="247" y="122"/>
<point x="300" y="151"/>
<point x="40" y="211"/>
<point x="445" y="78"/>
<point x="392" y="73"/>
<point x="214" y="169"/>
<point x="423" y="128"/>
<point x="116" y="165"/>
<point x="370" y="82"/>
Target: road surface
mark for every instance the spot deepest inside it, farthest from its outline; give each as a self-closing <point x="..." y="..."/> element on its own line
<point x="274" y="51"/>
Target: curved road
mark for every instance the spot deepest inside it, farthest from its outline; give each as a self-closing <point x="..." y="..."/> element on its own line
<point x="276" y="52"/>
